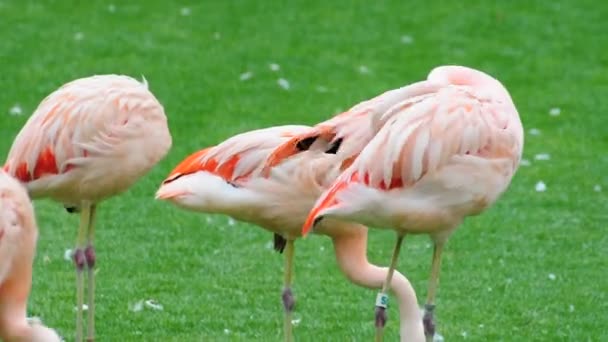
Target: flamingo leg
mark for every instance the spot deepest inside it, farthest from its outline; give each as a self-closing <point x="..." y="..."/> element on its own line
<point x="79" y="262"/>
<point x="429" y="307"/>
<point x="287" y="296"/>
<point x="89" y="253"/>
<point x="382" y="298"/>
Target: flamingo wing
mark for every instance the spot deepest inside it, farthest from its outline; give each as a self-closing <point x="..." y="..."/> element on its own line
<point x="347" y="133"/>
<point x="421" y="137"/>
<point x="238" y="158"/>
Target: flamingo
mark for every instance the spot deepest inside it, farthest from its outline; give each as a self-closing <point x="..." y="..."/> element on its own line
<point x="18" y="237"/>
<point x="228" y="179"/>
<point x="437" y="158"/>
<point x="91" y="139"/>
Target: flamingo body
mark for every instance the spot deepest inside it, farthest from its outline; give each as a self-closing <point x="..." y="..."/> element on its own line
<point x="18" y="238"/>
<point x="438" y="158"/>
<point x="228" y="179"/>
<point x="90" y="139"/>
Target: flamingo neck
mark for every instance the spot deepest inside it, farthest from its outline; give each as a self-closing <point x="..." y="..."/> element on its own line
<point x="351" y="255"/>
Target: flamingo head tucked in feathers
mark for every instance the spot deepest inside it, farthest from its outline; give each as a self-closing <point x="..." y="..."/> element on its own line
<point x="182" y="185"/>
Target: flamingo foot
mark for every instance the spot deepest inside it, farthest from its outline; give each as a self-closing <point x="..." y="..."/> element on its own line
<point x="381" y="317"/>
<point x="288" y="300"/>
<point x="428" y="321"/>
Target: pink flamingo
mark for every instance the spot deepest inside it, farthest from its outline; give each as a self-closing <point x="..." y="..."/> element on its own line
<point x="438" y="158"/>
<point x="18" y="237"/>
<point x="228" y="179"/>
<point x="89" y="140"/>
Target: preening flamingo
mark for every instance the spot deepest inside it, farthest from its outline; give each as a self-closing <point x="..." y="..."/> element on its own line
<point x="18" y="237"/>
<point x="346" y="134"/>
<point x="228" y="179"/>
<point x="438" y="158"/>
<point x="89" y="140"/>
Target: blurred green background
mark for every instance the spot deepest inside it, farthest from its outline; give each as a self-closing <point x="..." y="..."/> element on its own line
<point x="533" y="268"/>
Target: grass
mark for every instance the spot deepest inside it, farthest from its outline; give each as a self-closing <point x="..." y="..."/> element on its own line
<point x="220" y="282"/>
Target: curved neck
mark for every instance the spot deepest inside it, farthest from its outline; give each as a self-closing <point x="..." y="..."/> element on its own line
<point x="351" y="255"/>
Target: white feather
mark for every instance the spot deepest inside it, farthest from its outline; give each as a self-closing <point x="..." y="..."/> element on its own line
<point x="417" y="159"/>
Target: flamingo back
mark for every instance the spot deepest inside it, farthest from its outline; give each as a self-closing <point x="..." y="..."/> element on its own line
<point x="237" y="158"/>
<point x="90" y="139"/>
<point x="449" y="154"/>
<point x="347" y="133"/>
<point x="213" y="179"/>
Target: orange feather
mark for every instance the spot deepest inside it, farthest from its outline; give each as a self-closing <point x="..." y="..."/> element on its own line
<point x="191" y="164"/>
<point x="46" y="164"/>
<point x="328" y="201"/>
<point x="22" y="174"/>
<point x="196" y="162"/>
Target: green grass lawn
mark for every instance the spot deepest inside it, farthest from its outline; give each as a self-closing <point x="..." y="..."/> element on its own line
<point x="533" y="268"/>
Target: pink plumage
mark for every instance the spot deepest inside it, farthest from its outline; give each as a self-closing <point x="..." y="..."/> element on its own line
<point x="18" y="238"/>
<point x="347" y="133"/>
<point x="439" y="156"/>
<point x="91" y="139"/>
<point x="462" y="142"/>
<point x="227" y="179"/>
<point x="230" y="179"/>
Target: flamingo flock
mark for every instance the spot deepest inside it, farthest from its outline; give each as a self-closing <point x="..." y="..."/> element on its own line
<point x="416" y="160"/>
